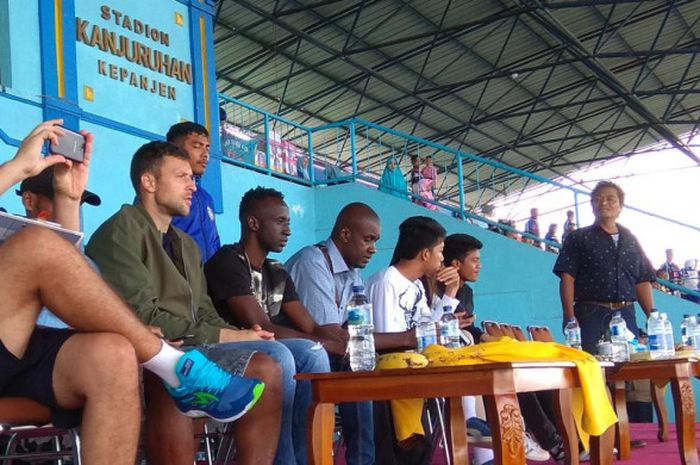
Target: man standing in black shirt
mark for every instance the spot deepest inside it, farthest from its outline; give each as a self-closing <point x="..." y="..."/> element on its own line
<point x="603" y="269"/>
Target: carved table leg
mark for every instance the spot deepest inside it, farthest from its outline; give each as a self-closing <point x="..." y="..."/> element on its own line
<point x="506" y="429"/>
<point x="622" y="427"/>
<point x="658" y="390"/>
<point x="684" y="403"/>
<point x="320" y="433"/>
<point x="602" y="447"/>
<point x="566" y="425"/>
<point x="458" y="432"/>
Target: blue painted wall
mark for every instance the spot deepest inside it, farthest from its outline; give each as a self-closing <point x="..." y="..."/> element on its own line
<point x="300" y="199"/>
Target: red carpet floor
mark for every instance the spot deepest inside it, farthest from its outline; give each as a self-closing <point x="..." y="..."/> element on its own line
<point x="655" y="453"/>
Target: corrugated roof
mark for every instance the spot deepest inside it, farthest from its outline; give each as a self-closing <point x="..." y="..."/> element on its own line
<point x="545" y="86"/>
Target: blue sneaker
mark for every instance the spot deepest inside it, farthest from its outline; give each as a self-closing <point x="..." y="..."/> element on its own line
<point x="207" y="389"/>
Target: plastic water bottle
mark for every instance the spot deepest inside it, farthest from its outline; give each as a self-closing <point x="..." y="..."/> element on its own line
<point x="572" y="332"/>
<point x="361" y="330"/>
<point x="618" y="337"/>
<point x="426" y="333"/>
<point x="686" y="329"/>
<point x="669" y="345"/>
<point x="655" y="331"/>
<point x="449" y="329"/>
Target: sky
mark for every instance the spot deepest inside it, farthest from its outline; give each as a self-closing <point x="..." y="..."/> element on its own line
<point x="665" y="182"/>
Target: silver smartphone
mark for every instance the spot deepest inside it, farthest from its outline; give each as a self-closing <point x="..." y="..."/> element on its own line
<point x="71" y="145"/>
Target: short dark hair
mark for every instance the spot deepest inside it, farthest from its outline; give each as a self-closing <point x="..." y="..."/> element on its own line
<point x="251" y="201"/>
<point x="415" y="234"/>
<point x="457" y="246"/>
<point x="603" y="184"/>
<point x="149" y="158"/>
<point x="179" y="130"/>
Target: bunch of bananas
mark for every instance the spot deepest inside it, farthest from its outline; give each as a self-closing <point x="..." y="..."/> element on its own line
<point x="402" y="360"/>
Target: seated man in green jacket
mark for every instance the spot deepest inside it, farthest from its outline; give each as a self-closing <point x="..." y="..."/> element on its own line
<point x="157" y="269"/>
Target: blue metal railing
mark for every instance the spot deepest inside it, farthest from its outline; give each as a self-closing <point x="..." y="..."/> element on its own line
<point x="355" y="150"/>
<point x="347" y="157"/>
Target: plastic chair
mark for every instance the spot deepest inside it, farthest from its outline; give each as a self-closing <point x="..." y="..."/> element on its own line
<point x="540" y="333"/>
<point x="518" y="333"/>
<point x="492" y="328"/>
<point x="23" y="418"/>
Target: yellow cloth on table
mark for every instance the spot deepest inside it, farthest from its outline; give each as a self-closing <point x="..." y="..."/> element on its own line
<point x="590" y="405"/>
<point x="406" y="413"/>
<point x="591" y="408"/>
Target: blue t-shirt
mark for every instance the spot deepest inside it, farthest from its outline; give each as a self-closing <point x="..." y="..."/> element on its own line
<point x="200" y="224"/>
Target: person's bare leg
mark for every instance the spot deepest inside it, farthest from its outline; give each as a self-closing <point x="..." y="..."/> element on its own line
<point x="40" y="268"/>
<point x="257" y="433"/>
<point x="168" y="433"/>
<point x="99" y="372"/>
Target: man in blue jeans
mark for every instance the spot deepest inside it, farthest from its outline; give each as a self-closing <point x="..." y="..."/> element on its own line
<point x="249" y="289"/>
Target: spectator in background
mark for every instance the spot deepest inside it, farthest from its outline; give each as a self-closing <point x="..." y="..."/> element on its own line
<point x="511" y="232"/>
<point x="661" y="274"/>
<point x="689" y="279"/>
<point x="428" y="182"/>
<point x="569" y="225"/>
<point x="533" y="227"/>
<point x="430" y="173"/>
<point x="416" y="178"/>
<point x="392" y="181"/>
<point x="552" y="237"/>
<point x="200" y="222"/>
<point x="672" y="270"/>
<point x="303" y="167"/>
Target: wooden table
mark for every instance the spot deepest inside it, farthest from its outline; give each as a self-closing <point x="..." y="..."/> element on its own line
<point x="497" y="382"/>
<point x="677" y="371"/>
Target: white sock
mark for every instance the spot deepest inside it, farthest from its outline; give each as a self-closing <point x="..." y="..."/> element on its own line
<point x="479" y="454"/>
<point x="469" y="406"/>
<point x="163" y="364"/>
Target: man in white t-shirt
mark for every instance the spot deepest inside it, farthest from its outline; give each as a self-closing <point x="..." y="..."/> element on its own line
<point x="399" y="302"/>
<point x="397" y="294"/>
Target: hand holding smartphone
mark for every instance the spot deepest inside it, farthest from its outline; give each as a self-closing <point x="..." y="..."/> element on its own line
<point x="71" y="145"/>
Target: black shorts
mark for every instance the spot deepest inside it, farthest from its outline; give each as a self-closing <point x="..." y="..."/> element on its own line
<point x="32" y="376"/>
